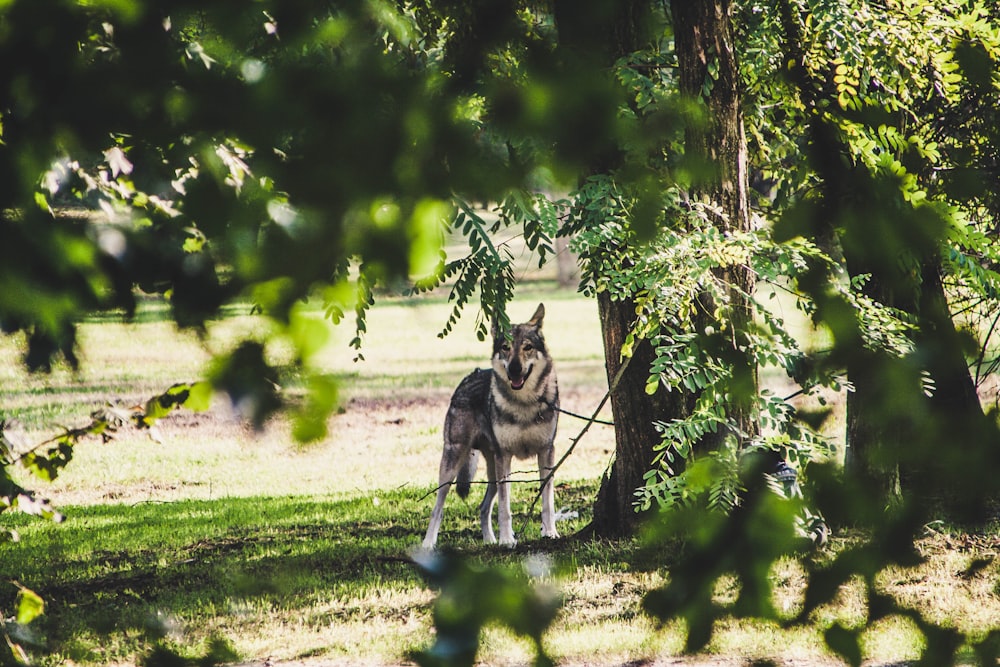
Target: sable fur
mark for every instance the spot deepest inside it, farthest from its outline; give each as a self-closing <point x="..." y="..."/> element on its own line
<point x="506" y="411"/>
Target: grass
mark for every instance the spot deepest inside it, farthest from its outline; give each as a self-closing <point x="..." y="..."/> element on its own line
<point x="300" y="552"/>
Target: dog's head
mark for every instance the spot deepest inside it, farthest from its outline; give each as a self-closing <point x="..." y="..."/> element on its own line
<point x="521" y="351"/>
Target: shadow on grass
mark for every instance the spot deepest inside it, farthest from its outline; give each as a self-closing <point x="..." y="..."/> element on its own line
<point x="153" y="308"/>
<point x="110" y="569"/>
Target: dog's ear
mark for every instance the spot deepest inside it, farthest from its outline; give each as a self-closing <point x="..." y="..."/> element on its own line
<point x="536" y="319"/>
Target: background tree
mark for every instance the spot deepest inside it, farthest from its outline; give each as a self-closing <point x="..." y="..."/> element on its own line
<point x="871" y="190"/>
<point x="887" y="103"/>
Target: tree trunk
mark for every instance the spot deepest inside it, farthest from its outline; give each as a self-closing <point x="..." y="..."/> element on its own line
<point x="703" y="43"/>
<point x="634" y="412"/>
<point x="967" y="440"/>
<point x="954" y="388"/>
<point x="567" y="264"/>
<point x="873" y="433"/>
<point x="916" y="447"/>
<point x="597" y="34"/>
<point x="706" y="61"/>
<point x="898" y="438"/>
<point x="871" y="456"/>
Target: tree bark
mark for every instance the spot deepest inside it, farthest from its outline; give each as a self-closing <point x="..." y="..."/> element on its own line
<point x="893" y="448"/>
<point x="948" y="467"/>
<point x="704" y="50"/>
<point x="634" y="413"/>
<point x="882" y="435"/>
<point x="567" y="264"/>
<point x="707" y="64"/>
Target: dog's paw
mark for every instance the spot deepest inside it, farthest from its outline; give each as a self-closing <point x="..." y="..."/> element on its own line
<point x="551" y="533"/>
<point x="423" y="555"/>
<point x="508" y="542"/>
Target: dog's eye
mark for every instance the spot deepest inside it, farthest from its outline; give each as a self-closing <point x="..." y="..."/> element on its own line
<point x="505" y="347"/>
<point x="527" y="347"/>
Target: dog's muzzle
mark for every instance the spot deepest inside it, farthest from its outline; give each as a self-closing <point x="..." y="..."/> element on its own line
<point x="516" y="376"/>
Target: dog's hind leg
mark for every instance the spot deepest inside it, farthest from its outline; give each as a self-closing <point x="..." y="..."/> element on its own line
<point x="452" y="460"/>
<point x="546" y="466"/>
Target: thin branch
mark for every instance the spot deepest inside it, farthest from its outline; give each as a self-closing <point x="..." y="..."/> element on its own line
<point x="603" y="422"/>
<point x="982" y="352"/>
<point x="531" y="480"/>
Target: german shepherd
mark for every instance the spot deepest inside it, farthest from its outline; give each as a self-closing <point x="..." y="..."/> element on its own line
<point x="505" y="411"/>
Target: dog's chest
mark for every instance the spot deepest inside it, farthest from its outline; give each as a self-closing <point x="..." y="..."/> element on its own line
<point x="523" y="429"/>
<point x="524" y="439"/>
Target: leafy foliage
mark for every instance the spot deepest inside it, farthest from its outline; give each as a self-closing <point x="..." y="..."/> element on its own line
<point x="233" y="151"/>
<point x="489" y="266"/>
<point x="472" y="597"/>
<point x="671" y="280"/>
<point x="46" y="460"/>
<point x="874" y="148"/>
<point x="14" y="632"/>
<point x="746" y="543"/>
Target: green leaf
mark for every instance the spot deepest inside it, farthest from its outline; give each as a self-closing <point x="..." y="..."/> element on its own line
<point x="29" y="606"/>
<point x="425" y="228"/>
<point x="310" y="334"/>
<point x="42" y="202"/>
<point x="194" y="244"/>
<point x="199" y="397"/>
<point x="250" y="381"/>
<point x="976" y="64"/>
<point x="311" y="421"/>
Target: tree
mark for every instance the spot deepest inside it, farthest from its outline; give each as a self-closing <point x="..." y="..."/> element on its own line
<point x="884" y="130"/>
<point x="884" y="304"/>
<point x="707" y="66"/>
<point x="215" y="146"/>
<point x="707" y="72"/>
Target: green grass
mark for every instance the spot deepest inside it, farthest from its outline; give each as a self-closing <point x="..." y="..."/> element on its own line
<point x="300" y="552"/>
<point x="238" y="568"/>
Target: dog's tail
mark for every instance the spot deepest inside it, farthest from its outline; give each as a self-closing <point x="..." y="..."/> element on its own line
<point x="466" y="474"/>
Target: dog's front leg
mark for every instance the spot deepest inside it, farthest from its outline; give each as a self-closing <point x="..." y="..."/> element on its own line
<point x="546" y="467"/>
<point x="503" y="495"/>
<point x="486" y="507"/>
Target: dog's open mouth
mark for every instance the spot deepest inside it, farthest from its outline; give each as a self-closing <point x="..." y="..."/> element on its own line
<point x="517" y="383"/>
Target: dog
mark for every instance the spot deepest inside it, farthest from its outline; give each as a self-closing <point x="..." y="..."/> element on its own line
<point x="511" y="409"/>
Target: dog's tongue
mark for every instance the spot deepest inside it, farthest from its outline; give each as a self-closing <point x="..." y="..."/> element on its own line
<point x="516" y="383"/>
